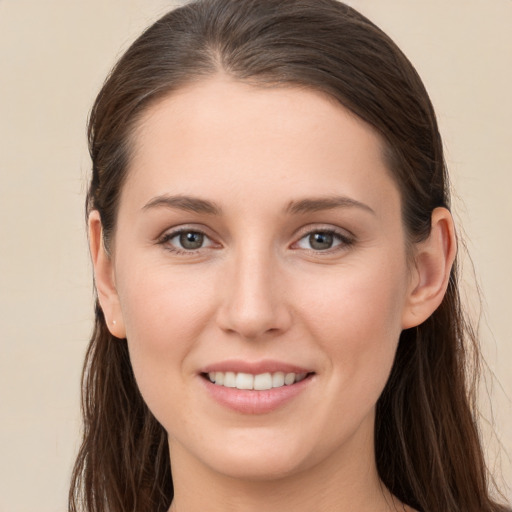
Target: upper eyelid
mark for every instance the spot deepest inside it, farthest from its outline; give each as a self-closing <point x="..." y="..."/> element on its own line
<point x="326" y="228"/>
<point x="176" y="230"/>
<point x="343" y="239"/>
<point x="171" y="233"/>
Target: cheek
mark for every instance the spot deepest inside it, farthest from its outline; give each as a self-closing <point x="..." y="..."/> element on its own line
<point x="164" y="313"/>
<point x="357" y="299"/>
<point x="355" y="315"/>
<point x="163" y="305"/>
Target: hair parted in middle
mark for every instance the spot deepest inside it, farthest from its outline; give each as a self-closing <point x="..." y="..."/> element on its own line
<point x="427" y="447"/>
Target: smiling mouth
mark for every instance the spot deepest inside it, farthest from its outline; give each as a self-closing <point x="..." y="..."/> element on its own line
<point x="259" y="382"/>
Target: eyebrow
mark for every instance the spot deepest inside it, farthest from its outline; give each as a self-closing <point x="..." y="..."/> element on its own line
<point x="311" y="205"/>
<point x="187" y="203"/>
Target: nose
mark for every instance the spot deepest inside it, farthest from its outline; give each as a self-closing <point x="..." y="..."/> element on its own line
<point x="254" y="298"/>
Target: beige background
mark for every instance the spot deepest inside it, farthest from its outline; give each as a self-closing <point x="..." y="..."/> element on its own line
<point x="54" y="55"/>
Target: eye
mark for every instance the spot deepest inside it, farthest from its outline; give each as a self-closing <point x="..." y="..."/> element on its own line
<point x="186" y="240"/>
<point x="190" y="240"/>
<point x="323" y="240"/>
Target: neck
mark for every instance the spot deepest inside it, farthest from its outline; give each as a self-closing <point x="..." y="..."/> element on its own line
<point x="343" y="482"/>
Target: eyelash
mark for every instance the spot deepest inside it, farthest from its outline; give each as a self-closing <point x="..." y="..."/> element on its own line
<point x="344" y="240"/>
<point x="167" y="237"/>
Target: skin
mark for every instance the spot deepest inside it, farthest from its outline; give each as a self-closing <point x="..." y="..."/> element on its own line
<point x="257" y="289"/>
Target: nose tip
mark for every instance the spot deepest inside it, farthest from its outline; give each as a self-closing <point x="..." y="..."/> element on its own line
<point x="252" y="318"/>
<point x="254" y="305"/>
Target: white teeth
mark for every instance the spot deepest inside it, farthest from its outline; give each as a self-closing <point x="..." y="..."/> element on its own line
<point x="263" y="381"/>
<point x="230" y="380"/>
<point x="244" y="381"/>
<point x="278" y="380"/>
<point x="258" y="382"/>
<point x="289" y="379"/>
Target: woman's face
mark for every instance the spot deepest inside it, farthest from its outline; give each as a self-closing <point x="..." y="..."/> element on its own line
<point x="260" y="240"/>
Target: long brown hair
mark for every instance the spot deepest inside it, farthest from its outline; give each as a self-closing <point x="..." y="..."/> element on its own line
<point x="427" y="446"/>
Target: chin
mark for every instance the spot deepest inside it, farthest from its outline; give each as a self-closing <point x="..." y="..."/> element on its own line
<point x="248" y="458"/>
<point x="259" y="468"/>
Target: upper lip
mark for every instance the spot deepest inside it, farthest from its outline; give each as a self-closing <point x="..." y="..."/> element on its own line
<point x="254" y="367"/>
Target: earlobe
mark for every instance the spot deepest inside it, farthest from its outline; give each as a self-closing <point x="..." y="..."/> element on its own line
<point x="433" y="258"/>
<point x="104" y="277"/>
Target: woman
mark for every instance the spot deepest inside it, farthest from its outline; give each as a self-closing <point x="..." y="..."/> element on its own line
<point x="278" y="323"/>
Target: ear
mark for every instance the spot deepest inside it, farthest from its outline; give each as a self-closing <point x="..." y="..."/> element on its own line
<point x="104" y="277"/>
<point x="433" y="260"/>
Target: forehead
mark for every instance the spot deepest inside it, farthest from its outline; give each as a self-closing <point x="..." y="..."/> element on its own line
<point x="220" y="136"/>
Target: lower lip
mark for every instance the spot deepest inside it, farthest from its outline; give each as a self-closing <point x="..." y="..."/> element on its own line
<point x="255" y="402"/>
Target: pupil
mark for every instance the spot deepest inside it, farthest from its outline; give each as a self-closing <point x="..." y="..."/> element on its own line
<point x="191" y="240"/>
<point x="321" y="241"/>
